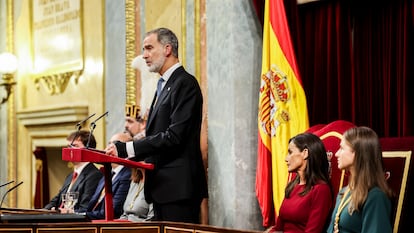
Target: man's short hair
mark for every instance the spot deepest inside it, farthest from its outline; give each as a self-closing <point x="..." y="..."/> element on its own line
<point x="83" y="136"/>
<point x="166" y="36"/>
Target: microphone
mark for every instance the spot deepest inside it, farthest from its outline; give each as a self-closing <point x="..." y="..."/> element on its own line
<point x="92" y="127"/>
<point x="10" y="189"/>
<point x="6" y="183"/>
<point x="79" y="126"/>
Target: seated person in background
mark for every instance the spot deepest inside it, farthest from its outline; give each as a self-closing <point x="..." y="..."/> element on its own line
<point x="308" y="197"/>
<point x="364" y="205"/>
<point x="135" y="122"/>
<point x="86" y="178"/>
<point x="136" y="208"/>
<point x="120" y="185"/>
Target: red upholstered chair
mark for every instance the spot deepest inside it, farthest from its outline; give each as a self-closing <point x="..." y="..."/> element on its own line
<point x="331" y="135"/>
<point x="398" y="164"/>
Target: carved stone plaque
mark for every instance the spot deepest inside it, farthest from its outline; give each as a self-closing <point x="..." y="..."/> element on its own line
<point x="57" y="43"/>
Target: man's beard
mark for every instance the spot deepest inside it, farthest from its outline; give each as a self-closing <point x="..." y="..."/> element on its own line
<point x="157" y="65"/>
<point x="129" y="132"/>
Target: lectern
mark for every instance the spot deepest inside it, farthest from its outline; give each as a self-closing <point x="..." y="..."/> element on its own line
<point x="97" y="156"/>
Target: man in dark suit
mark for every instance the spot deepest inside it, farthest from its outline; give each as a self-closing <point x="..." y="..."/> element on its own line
<point x="178" y="183"/>
<point x="121" y="181"/>
<point x="86" y="178"/>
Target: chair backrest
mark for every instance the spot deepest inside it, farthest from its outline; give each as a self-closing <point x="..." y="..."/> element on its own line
<point x="399" y="164"/>
<point x="331" y="135"/>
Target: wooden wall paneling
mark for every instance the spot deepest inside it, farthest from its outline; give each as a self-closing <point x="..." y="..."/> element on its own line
<point x="68" y="230"/>
<point x="201" y="231"/>
<point x="135" y="229"/>
<point x="20" y="230"/>
<point x="168" y="229"/>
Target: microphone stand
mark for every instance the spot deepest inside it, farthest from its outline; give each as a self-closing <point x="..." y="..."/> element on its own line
<point x="6" y="183"/>
<point x="79" y="126"/>
<point x="92" y="128"/>
<point x="5" y="194"/>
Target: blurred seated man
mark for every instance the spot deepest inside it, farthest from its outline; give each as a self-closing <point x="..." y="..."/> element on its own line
<point x="120" y="186"/>
<point x="135" y="122"/>
<point x="85" y="177"/>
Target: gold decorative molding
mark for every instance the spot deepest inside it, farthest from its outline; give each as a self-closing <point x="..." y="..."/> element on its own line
<point x="131" y="88"/>
<point x="183" y="32"/>
<point x="406" y="155"/>
<point x="11" y="112"/>
<point x="57" y="83"/>
<point x="197" y="37"/>
<point x="69" y="115"/>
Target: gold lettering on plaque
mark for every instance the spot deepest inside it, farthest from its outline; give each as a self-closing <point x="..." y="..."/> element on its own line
<point x="57" y="43"/>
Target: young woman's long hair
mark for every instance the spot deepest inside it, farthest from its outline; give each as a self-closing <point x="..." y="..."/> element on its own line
<point x="367" y="171"/>
<point x="137" y="175"/>
<point x="317" y="169"/>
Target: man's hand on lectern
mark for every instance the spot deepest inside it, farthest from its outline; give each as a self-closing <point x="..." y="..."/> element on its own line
<point x="111" y="150"/>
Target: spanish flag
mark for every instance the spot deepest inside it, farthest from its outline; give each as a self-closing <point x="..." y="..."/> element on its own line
<point x="282" y="110"/>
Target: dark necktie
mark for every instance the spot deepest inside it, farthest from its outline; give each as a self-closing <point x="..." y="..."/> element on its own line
<point x="102" y="195"/>
<point x="159" y="86"/>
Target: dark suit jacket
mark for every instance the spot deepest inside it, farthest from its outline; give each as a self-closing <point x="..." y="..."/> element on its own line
<point x="172" y="143"/>
<point x="85" y="184"/>
<point x="120" y="187"/>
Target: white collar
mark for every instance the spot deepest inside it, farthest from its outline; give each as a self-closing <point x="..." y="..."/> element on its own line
<point x="167" y="74"/>
<point x="80" y="168"/>
<point x="117" y="170"/>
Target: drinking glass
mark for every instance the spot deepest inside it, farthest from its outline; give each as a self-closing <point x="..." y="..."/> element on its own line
<point x="70" y="201"/>
<point x="63" y="197"/>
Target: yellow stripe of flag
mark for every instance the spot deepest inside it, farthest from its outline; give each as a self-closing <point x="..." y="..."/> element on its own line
<point x="282" y="105"/>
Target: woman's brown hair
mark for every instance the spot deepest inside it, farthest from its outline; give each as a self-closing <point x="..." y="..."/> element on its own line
<point x="367" y="171"/>
<point x="136" y="175"/>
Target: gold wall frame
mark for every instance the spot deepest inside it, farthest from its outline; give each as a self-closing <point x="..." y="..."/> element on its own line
<point x="406" y="157"/>
<point x="57" y="36"/>
<point x="131" y="80"/>
<point x="89" y="92"/>
<point x="11" y="110"/>
<point x="133" y="25"/>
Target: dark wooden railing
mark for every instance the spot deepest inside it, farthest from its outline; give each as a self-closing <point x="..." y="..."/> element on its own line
<point x="115" y="227"/>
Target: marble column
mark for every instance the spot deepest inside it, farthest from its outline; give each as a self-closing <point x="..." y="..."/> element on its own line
<point x="234" y="44"/>
<point x="115" y="72"/>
